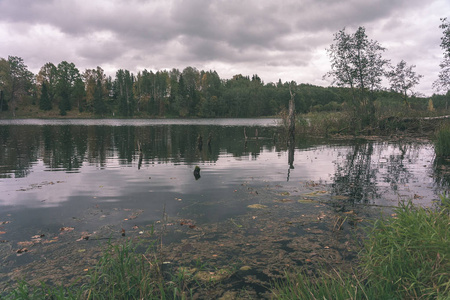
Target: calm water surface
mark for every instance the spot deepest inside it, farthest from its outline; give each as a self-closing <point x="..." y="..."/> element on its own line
<point x="53" y="171"/>
<point x="50" y="170"/>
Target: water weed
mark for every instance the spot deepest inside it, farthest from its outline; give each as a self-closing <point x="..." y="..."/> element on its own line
<point x="404" y="257"/>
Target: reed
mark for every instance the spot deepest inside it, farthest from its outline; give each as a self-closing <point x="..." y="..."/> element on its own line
<point x="442" y="141"/>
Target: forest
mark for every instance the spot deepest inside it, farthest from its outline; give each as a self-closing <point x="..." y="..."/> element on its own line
<point x="188" y="93"/>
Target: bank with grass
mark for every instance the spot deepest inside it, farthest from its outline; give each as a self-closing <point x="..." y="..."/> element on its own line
<point x="404" y="256"/>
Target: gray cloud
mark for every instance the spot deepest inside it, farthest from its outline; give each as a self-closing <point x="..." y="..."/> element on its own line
<point x="276" y="39"/>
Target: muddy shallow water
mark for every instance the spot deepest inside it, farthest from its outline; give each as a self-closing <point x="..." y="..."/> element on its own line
<point x="254" y="210"/>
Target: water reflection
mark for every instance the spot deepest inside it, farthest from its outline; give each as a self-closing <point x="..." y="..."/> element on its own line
<point x="376" y="172"/>
<point x="355" y="174"/>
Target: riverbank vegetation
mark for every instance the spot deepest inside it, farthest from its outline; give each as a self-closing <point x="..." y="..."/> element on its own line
<point x="442" y="144"/>
<point x="404" y="256"/>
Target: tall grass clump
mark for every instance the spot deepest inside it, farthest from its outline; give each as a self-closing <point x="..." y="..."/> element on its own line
<point x="322" y="286"/>
<point x="408" y="256"/>
<point x="404" y="257"/>
<point x="124" y="271"/>
<point x="442" y="143"/>
<point x="323" y="123"/>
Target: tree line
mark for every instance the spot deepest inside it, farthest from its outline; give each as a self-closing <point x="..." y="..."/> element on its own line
<point x="357" y="71"/>
<point x="174" y="93"/>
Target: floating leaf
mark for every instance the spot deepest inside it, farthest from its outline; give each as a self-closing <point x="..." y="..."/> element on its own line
<point x="285" y="194"/>
<point x="307" y="201"/>
<point x="66" y="228"/>
<point x="257" y="206"/>
<point x="2" y="232"/>
<point x="22" y="250"/>
<point x="316" y="193"/>
<point x="283" y="200"/>
<point x="25" y="244"/>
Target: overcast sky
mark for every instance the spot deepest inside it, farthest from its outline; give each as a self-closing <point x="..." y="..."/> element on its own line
<point x="275" y="39"/>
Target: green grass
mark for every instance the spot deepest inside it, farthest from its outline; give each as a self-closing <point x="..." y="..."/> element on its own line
<point x="124" y="271"/>
<point x="404" y="257"/>
<point x="442" y="143"/>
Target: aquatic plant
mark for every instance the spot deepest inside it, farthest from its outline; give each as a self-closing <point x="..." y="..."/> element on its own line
<point x="404" y="257"/>
<point x="442" y="142"/>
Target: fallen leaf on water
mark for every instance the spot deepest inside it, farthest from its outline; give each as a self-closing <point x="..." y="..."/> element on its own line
<point x="49" y="241"/>
<point x="2" y="232"/>
<point x="316" y="193"/>
<point x="25" y="244"/>
<point x="22" y="250"/>
<point x="135" y="227"/>
<point x="306" y="201"/>
<point x="4" y="222"/>
<point x="85" y="270"/>
<point x="283" y="200"/>
<point x="285" y="193"/>
<point x="257" y="206"/>
<point x="38" y="236"/>
<point x="66" y="228"/>
<point x="83" y="237"/>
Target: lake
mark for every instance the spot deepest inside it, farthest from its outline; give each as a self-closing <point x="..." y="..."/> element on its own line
<point x="254" y="202"/>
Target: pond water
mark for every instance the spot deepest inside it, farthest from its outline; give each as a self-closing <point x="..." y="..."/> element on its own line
<point x="106" y="176"/>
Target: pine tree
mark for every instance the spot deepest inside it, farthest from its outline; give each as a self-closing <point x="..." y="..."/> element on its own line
<point x="44" y="102"/>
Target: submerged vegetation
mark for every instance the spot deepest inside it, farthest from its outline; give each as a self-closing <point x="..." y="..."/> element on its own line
<point x="405" y="256"/>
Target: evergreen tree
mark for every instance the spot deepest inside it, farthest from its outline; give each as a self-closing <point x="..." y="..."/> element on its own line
<point x="45" y="103"/>
<point x="99" y="103"/>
